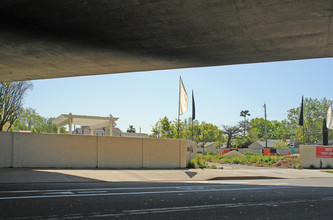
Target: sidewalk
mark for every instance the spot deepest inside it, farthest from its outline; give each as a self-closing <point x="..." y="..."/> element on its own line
<point x="24" y="175"/>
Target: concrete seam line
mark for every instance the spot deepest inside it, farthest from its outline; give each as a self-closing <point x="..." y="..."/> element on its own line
<point x="179" y="153"/>
<point x="12" y="148"/>
<point x="141" y="152"/>
<point x="97" y="151"/>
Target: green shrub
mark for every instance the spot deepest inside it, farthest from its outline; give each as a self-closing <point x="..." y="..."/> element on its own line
<point x="281" y="145"/>
<point x="297" y="166"/>
<point x="212" y="153"/>
<point x="226" y="160"/>
<point x="236" y="160"/>
<point x="213" y="166"/>
<point x="192" y="163"/>
<point x="251" y="154"/>
<point x="204" y="165"/>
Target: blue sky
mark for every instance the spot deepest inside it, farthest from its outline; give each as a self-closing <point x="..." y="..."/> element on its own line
<point x="221" y="92"/>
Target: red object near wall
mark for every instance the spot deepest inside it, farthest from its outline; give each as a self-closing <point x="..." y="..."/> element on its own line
<point x="226" y="151"/>
<point x="266" y="151"/>
<point x="324" y="152"/>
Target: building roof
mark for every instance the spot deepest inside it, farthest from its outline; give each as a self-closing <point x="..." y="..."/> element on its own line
<point x="92" y="121"/>
<point x="261" y="144"/>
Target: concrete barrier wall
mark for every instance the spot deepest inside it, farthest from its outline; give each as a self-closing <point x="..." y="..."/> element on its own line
<point x="6" y="149"/>
<point x="191" y="151"/>
<point x="42" y="150"/>
<point x="308" y="158"/>
<point x="120" y="152"/>
<point x="87" y="151"/>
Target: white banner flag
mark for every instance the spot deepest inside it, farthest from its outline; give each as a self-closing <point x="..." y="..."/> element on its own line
<point x="330" y="117"/>
<point x="183" y="98"/>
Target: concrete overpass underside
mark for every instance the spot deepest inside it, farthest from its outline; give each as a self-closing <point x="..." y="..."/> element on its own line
<point x="62" y="38"/>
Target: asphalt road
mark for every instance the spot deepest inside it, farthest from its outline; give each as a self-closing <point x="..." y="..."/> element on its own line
<point x="255" y="199"/>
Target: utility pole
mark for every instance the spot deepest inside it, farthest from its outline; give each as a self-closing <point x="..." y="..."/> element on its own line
<point x="203" y="141"/>
<point x="265" y="126"/>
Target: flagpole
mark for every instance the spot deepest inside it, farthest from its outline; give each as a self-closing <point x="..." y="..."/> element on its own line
<point x="178" y="106"/>
<point x="303" y="135"/>
<point x="192" y="129"/>
<point x="192" y="113"/>
<point x="303" y="118"/>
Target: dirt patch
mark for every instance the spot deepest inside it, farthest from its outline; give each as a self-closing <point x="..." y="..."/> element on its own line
<point x="233" y="154"/>
<point x="288" y="162"/>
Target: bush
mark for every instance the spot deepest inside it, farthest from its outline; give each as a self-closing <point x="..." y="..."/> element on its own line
<point x="226" y="160"/>
<point x="213" y="166"/>
<point x="236" y="160"/>
<point x="212" y="153"/>
<point x="251" y="154"/>
<point x="197" y="162"/>
<point x="281" y="145"/>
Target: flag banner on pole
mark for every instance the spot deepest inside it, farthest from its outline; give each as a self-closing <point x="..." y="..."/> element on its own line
<point x="301" y="116"/>
<point x="330" y="117"/>
<point x="183" y="98"/>
<point x="193" y="107"/>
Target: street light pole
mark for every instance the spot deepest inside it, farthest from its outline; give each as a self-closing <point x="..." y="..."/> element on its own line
<point x="265" y="126"/>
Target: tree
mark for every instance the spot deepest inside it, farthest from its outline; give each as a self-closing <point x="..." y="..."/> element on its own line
<point x="11" y="98"/>
<point x="275" y="129"/>
<point x="163" y="129"/>
<point x="244" y="113"/>
<point x="130" y="129"/>
<point x="325" y="133"/>
<point x="315" y="111"/>
<point x="30" y="120"/>
<point x="244" y="141"/>
<point x="281" y="144"/>
<point x="231" y="132"/>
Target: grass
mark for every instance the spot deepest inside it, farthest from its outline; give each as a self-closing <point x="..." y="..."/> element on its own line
<point x="201" y="160"/>
<point x="327" y="171"/>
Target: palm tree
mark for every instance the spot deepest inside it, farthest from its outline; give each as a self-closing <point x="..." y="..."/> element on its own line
<point x="131" y="129"/>
<point x="244" y="113"/>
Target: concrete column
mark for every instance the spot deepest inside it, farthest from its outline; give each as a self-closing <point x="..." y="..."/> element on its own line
<point x="70" y="122"/>
<point x="110" y="126"/>
<point x="58" y="130"/>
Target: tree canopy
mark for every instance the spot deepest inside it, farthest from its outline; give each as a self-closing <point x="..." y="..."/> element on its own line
<point x="204" y="132"/>
<point x="11" y="98"/>
<point x="30" y="120"/>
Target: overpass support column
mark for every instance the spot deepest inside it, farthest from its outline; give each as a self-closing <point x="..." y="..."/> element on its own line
<point x="70" y="122"/>
<point x="110" y="126"/>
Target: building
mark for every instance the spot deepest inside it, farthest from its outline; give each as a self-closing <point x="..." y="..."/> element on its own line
<point x="94" y="123"/>
<point x="105" y="132"/>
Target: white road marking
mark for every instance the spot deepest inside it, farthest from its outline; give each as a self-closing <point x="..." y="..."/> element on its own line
<point x="57" y="193"/>
<point x="182" y="209"/>
<point x="140" y="193"/>
<point x="93" y="192"/>
<point x="131" y="188"/>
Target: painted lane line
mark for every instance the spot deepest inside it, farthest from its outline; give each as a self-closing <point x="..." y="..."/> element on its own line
<point x="181" y="209"/>
<point x="130" y="188"/>
<point x="93" y="192"/>
<point x="139" y="193"/>
<point x="57" y="193"/>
